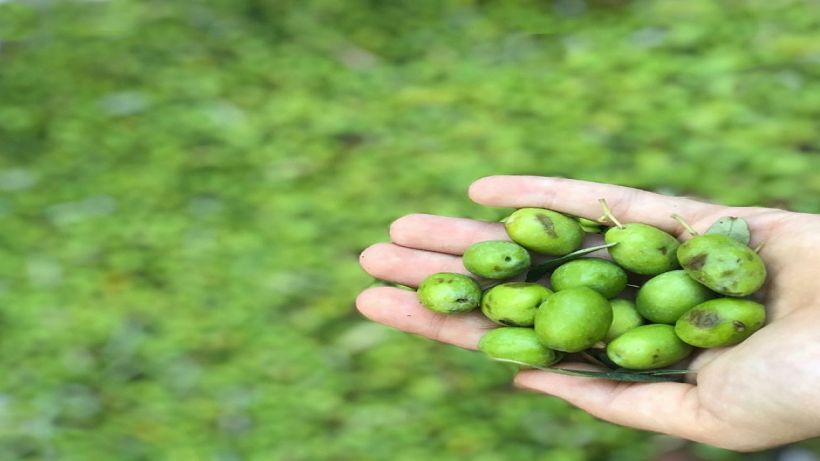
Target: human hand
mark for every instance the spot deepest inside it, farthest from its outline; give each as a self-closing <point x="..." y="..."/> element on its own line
<point x="758" y="394"/>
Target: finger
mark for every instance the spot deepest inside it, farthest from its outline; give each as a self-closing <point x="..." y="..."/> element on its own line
<point x="401" y="309"/>
<point x="406" y="265"/>
<point x="443" y="234"/>
<point x="454" y="235"/>
<point x="580" y="198"/>
<point x="670" y="408"/>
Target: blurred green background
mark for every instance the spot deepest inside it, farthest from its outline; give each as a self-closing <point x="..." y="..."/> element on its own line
<point x="185" y="187"/>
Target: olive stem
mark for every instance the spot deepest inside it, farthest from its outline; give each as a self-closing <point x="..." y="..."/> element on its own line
<point x="608" y="214"/>
<point x="759" y="247"/>
<point x="685" y="224"/>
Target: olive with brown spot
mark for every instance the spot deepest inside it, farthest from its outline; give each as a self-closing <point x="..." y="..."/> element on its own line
<point x="544" y="231"/>
<point x="720" y="322"/>
<point x="514" y="303"/>
<point x="449" y="293"/>
<point x="648" y="347"/>
<point x="722" y="264"/>
<point x="518" y="345"/>
<point x="496" y="259"/>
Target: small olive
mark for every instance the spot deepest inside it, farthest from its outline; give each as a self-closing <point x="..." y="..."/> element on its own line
<point x="647" y="347"/>
<point x="496" y="259"/>
<point x="720" y="322"/>
<point x="513" y="303"/>
<point x="722" y="264"/>
<point x="519" y="345"/>
<point x="642" y="249"/>
<point x="665" y="297"/>
<point x="544" y="231"/>
<point x="601" y="275"/>
<point x="573" y="319"/>
<point x="624" y="318"/>
<point x="449" y="293"/>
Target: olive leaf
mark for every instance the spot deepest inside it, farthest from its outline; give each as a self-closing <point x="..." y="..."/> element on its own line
<point x="649" y="376"/>
<point x="731" y="226"/>
<point x="536" y="272"/>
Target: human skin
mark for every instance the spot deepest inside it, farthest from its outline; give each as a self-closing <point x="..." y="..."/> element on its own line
<point x="755" y="395"/>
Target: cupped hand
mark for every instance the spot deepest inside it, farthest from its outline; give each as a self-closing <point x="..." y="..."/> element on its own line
<point x="761" y="393"/>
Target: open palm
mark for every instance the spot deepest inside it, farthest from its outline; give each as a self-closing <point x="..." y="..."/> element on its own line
<point x="758" y="394"/>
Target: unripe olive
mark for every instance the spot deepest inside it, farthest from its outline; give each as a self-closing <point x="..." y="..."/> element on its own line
<point x="517" y="344"/>
<point x="513" y="303"/>
<point x="720" y="322"/>
<point x="722" y="264"/>
<point x="642" y="249"/>
<point x="496" y="259"/>
<point x="544" y="231"/>
<point x="573" y="320"/>
<point x="665" y="297"/>
<point x="624" y="318"/>
<point x="449" y="293"/>
<point x="601" y="275"/>
<point x="647" y="347"/>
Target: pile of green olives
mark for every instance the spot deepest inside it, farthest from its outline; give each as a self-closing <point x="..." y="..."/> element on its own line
<point x="649" y="305"/>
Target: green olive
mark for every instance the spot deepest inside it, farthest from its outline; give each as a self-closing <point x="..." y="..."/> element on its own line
<point x="647" y="347"/>
<point x="642" y="249"/>
<point x="589" y="226"/>
<point x="496" y="259"/>
<point x="449" y="293"/>
<point x="573" y="319"/>
<point x="519" y="345"/>
<point x="601" y="275"/>
<point x="513" y="303"/>
<point x="665" y="297"/>
<point x="722" y="264"/>
<point x="544" y="231"/>
<point x="720" y="322"/>
<point x="624" y="318"/>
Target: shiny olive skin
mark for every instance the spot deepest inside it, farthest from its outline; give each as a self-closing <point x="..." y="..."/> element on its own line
<point x="665" y="297"/>
<point x="720" y="322"/>
<point x="573" y="319"/>
<point x="603" y="276"/>
<point x="642" y="249"/>
<point x="449" y="293"/>
<point x="544" y="231"/>
<point x="514" y="303"/>
<point x="519" y="345"/>
<point x="496" y="259"/>
<point x="647" y="347"/>
<point x="624" y="318"/>
<point x="722" y="264"/>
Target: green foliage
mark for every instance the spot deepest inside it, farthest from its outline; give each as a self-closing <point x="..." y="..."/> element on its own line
<point x="184" y="188"/>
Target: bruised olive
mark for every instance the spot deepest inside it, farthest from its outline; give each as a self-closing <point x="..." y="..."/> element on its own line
<point x="496" y="259"/>
<point x="647" y="347"/>
<point x="722" y="264"/>
<point x="720" y="322"/>
<point x="519" y="345"/>
<point x="513" y="303"/>
<point x="449" y="293"/>
<point x="544" y="231"/>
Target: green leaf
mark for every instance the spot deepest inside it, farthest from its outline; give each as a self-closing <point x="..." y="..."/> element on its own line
<point x="648" y="376"/>
<point x="536" y="272"/>
<point x="730" y="226"/>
